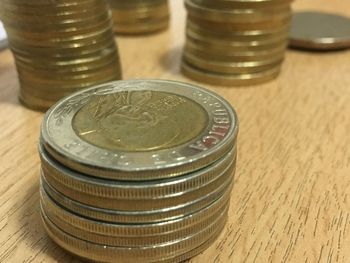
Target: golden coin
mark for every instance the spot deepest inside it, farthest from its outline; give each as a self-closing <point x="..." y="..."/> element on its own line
<point x="237" y="56"/>
<point x="242" y="4"/>
<point x="229" y="79"/>
<point x="225" y="26"/>
<point x="223" y="67"/>
<point x="238" y="15"/>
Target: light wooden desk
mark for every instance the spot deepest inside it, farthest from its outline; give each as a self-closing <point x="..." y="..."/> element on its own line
<point x="291" y="201"/>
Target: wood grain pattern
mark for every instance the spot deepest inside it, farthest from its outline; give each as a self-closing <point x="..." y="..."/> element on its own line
<point x="290" y="202"/>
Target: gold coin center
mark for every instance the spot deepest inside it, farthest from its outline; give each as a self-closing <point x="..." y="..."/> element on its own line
<point x="139" y="120"/>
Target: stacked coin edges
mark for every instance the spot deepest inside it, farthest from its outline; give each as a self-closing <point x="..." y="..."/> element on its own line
<point x="235" y="42"/>
<point x="60" y="47"/>
<point x="149" y="217"/>
<point x="139" y="17"/>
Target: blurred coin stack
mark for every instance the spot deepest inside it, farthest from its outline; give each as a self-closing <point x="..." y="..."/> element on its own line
<point x="60" y="47"/>
<point x="139" y="16"/>
<point x="137" y="171"/>
<point x="235" y="42"/>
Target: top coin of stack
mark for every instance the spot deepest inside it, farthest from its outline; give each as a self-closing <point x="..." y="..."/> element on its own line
<point x="60" y="47"/>
<point x="139" y="16"/>
<point x="235" y="42"/>
<point x="137" y="170"/>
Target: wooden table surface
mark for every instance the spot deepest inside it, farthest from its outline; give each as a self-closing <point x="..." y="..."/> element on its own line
<point x="291" y="200"/>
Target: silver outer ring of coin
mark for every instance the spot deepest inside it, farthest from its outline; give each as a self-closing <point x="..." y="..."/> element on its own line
<point x="64" y="145"/>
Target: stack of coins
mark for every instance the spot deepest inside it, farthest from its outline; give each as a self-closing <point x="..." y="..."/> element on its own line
<point x="139" y="16"/>
<point x="60" y="47"/>
<point x="235" y="42"/>
<point x="137" y="170"/>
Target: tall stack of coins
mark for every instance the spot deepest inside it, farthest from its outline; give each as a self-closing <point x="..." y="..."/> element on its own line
<point x="137" y="170"/>
<point x="235" y="42"/>
<point x="60" y="47"/>
<point x="140" y="16"/>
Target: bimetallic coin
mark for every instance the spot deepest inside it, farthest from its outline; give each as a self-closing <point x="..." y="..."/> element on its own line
<point x="60" y="47"/>
<point x="134" y="241"/>
<point x="229" y="79"/>
<point x="235" y="42"/>
<point x="319" y="31"/>
<point x="239" y="26"/>
<point x="223" y="67"/>
<point x="107" y="215"/>
<point x="136" y="191"/>
<point x="239" y="15"/>
<point x="237" y="56"/>
<point x="105" y="253"/>
<point x="223" y="179"/>
<point x="242" y="4"/>
<point x="139" y="130"/>
<point x="142" y="27"/>
<point x="242" y="35"/>
<point x="148" y="234"/>
<point x="139" y="17"/>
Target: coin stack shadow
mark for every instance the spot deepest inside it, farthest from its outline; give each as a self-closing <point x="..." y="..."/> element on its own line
<point x="60" y="47"/>
<point x="167" y="213"/>
<point x="139" y="17"/>
<point x="235" y="42"/>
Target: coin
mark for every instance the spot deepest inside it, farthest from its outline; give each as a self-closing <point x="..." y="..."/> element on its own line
<point x="229" y="79"/>
<point x="238" y="56"/>
<point x="243" y="3"/>
<point x="319" y="31"/>
<point x="153" y="139"/>
<point x="131" y="235"/>
<point x="238" y="15"/>
<point x="105" y="253"/>
<point x="153" y="216"/>
<point x="223" y="67"/>
<point x="139" y="17"/>
<point x="235" y="42"/>
<point x="134" y="241"/>
<point x="159" y="190"/>
<point x="156" y="203"/>
<point x="60" y="47"/>
<point x="111" y="189"/>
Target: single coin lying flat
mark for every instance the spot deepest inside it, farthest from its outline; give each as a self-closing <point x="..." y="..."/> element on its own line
<point x="319" y="31"/>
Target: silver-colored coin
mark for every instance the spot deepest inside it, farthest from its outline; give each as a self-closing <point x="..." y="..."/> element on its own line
<point x="223" y="178"/>
<point x="93" y="251"/>
<point x="139" y="129"/>
<point x="135" y="235"/>
<point x="319" y="31"/>
<point x="111" y="189"/>
<point x="136" y="217"/>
